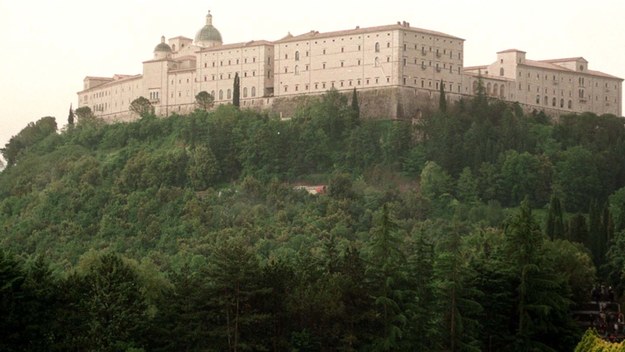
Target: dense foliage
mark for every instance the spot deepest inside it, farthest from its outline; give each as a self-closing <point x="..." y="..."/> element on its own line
<point x="478" y="228"/>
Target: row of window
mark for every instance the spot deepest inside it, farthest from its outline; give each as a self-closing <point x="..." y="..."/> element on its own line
<point x="554" y="102"/>
<point x="236" y="62"/>
<point x="376" y="48"/>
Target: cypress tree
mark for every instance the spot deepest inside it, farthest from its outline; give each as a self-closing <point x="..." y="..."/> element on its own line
<point x="236" y="101"/>
<point x="442" y="101"/>
<point x="355" y="105"/>
<point x="70" y="117"/>
<point x="555" y="226"/>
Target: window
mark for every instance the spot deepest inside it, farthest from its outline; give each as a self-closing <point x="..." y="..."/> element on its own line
<point x="376" y="63"/>
<point x="286" y="70"/>
<point x="377" y="47"/>
<point x="546" y="100"/>
<point x="221" y="94"/>
<point x="501" y="71"/>
<point x="358" y="62"/>
<point x="296" y="70"/>
<point x="561" y="103"/>
<point x="342" y="63"/>
<point x="297" y="56"/>
<point x="570" y="104"/>
<point x="538" y="99"/>
<point x="324" y="65"/>
<point x="388" y="45"/>
<point x="286" y="56"/>
<point x="405" y="61"/>
<point x="244" y="92"/>
<point x="324" y="51"/>
<point x="553" y="102"/>
<point x="342" y="49"/>
<point x="253" y="91"/>
<point x="229" y="94"/>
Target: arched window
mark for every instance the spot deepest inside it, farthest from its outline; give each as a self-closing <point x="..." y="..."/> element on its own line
<point x="296" y="70"/>
<point x="495" y="89"/>
<point x="502" y="91"/>
<point x="538" y="99"/>
<point x="474" y="86"/>
<point x="570" y="104"/>
<point x="229" y="94"/>
<point x="244" y="92"/>
<point x="377" y="47"/>
<point x="561" y="103"/>
<point x="546" y="100"/>
<point x="553" y="101"/>
<point x="501" y="71"/>
<point x="253" y="91"/>
<point x="221" y="94"/>
<point x="297" y="56"/>
<point x="377" y="62"/>
<point x="213" y="94"/>
<point x="488" y="89"/>
<point x="173" y="48"/>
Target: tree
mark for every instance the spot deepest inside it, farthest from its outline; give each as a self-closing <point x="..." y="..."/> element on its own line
<point x="236" y="91"/>
<point x="555" y="225"/>
<point x="70" y="117"/>
<point x="142" y="107"/>
<point x="28" y="137"/>
<point x="202" y="169"/>
<point x="204" y="100"/>
<point x="542" y="306"/>
<point x="235" y="276"/>
<point x="355" y="108"/>
<point x="442" y="101"/>
<point x="455" y="295"/>
<point x="84" y="113"/>
<point x="387" y="269"/>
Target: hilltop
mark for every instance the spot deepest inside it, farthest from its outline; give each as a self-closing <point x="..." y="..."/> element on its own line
<point x="423" y="240"/>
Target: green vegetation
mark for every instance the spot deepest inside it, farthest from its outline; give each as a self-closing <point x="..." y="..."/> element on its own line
<point x="187" y="233"/>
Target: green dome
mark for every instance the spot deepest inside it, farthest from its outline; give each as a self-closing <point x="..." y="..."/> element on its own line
<point x="162" y="46"/>
<point x="208" y="33"/>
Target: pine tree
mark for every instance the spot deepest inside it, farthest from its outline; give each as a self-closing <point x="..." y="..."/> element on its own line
<point x="386" y="269"/>
<point x="236" y="91"/>
<point x="455" y="301"/>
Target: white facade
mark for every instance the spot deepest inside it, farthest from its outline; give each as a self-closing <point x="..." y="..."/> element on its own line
<point x="374" y="58"/>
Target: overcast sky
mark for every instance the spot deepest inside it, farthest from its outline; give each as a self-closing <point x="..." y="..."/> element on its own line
<point x="48" y="47"/>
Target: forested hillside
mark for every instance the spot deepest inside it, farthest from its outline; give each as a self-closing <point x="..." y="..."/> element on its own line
<point x="477" y="228"/>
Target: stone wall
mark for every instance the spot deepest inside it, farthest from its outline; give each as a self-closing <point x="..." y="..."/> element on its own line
<point x="380" y="103"/>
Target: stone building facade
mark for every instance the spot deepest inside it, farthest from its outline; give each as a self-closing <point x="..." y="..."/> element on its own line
<point x="397" y="70"/>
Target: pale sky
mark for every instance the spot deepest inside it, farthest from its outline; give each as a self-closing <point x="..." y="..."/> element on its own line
<point x="48" y="47"/>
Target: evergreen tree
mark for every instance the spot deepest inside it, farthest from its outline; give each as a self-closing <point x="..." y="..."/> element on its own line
<point x="355" y="108"/>
<point x="442" y="101"/>
<point x="455" y="296"/>
<point x="386" y="269"/>
<point x="544" y="319"/>
<point x="70" y="117"/>
<point x="555" y="225"/>
<point x="237" y="295"/>
<point x="236" y="91"/>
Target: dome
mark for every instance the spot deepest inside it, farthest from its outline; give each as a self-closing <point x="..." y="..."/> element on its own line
<point x="162" y="46"/>
<point x="208" y="34"/>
